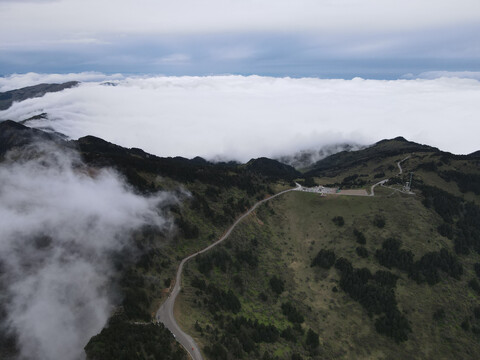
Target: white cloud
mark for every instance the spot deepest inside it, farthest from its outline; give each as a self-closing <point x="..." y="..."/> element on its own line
<point x="445" y="74"/>
<point x="60" y="222"/>
<point x="243" y="117"/>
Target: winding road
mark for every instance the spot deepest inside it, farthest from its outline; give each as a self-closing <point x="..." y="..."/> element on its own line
<point x="165" y="313"/>
<point x="400" y="171"/>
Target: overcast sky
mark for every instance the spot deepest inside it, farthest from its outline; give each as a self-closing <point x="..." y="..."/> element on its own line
<point x="324" y="38"/>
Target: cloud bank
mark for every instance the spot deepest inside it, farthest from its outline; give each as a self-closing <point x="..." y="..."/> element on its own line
<point x="59" y="224"/>
<point x="239" y="117"/>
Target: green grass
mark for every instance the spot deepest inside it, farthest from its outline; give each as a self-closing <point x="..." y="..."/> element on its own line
<point x="293" y="228"/>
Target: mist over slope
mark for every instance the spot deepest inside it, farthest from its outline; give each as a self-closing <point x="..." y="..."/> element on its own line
<point x="61" y="223"/>
<point x="9" y="97"/>
<point x="305" y="158"/>
<point x="243" y="117"/>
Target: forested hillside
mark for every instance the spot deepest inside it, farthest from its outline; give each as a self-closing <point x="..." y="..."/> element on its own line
<point x="395" y="275"/>
<point x="390" y="276"/>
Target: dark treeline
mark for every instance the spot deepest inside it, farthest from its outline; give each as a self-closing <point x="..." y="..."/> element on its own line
<point x="426" y="269"/>
<point x="465" y="182"/>
<point x="239" y="337"/>
<point x="375" y="292"/>
<point x="325" y="259"/>
<point x="218" y="299"/>
<point x="219" y="258"/>
<point x="130" y="162"/>
<point x="122" y="340"/>
<point x="460" y="218"/>
<point x="353" y="181"/>
<point x="222" y="300"/>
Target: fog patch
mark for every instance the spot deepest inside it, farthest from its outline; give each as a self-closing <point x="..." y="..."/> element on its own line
<point x="307" y="157"/>
<point x="60" y="223"/>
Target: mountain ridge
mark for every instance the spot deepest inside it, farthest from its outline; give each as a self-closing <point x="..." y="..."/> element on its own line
<point x="7" y="98"/>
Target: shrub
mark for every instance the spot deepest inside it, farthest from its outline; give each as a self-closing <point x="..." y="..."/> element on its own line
<point x="338" y="220"/>
<point x="277" y="285"/>
<point x="379" y="221"/>
<point x="439" y="314"/>
<point x="292" y="313"/>
<point x="325" y="259"/>
<point x="474" y="285"/>
<point x="360" y="237"/>
<point x="312" y="339"/>
<point x="362" y="251"/>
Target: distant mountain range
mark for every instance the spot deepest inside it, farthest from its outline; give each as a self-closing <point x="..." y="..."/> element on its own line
<point x="306" y="158"/>
<point x="9" y="97"/>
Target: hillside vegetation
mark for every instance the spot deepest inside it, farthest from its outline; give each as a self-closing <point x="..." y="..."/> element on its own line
<point x="211" y="197"/>
<point x="392" y="276"/>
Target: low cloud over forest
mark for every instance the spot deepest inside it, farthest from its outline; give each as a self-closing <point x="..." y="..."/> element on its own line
<point x="60" y="224"/>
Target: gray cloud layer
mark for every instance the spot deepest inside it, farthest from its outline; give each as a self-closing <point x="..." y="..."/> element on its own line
<point x="97" y="17"/>
<point x="342" y="38"/>
<point x="59" y="224"/>
<point x="243" y="117"/>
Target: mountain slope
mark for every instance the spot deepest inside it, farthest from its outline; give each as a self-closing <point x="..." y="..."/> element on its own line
<point x="304" y="277"/>
<point x="9" y="97"/>
<point x="396" y="278"/>
<point x="13" y="134"/>
<point x="382" y="149"/>
<point x="210" y="196"/>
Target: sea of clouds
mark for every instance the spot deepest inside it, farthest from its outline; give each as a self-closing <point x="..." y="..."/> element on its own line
<point x="240" y="117"/>
<point x="60" y="224"/>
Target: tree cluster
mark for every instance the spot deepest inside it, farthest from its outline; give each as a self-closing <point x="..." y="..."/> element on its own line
<point x="219" y="258"/>
<point x="292" y="313"/>
<point x="460" y="218"/>
<point x="325" y="259"/>
<point x="426" y="269"/>
<point x="466" y="182"/>
<point x="375" y="292"/>
<point x="277" y="284"/>
<point x="360" y="237"/>
<point x="338" y="220"/>
<point x="241" y="337"/>
<point x="353" y="181"/>
<point x="122" y="340"/>
<point x="379" y="221"/>
<point x="362" y="251"/>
